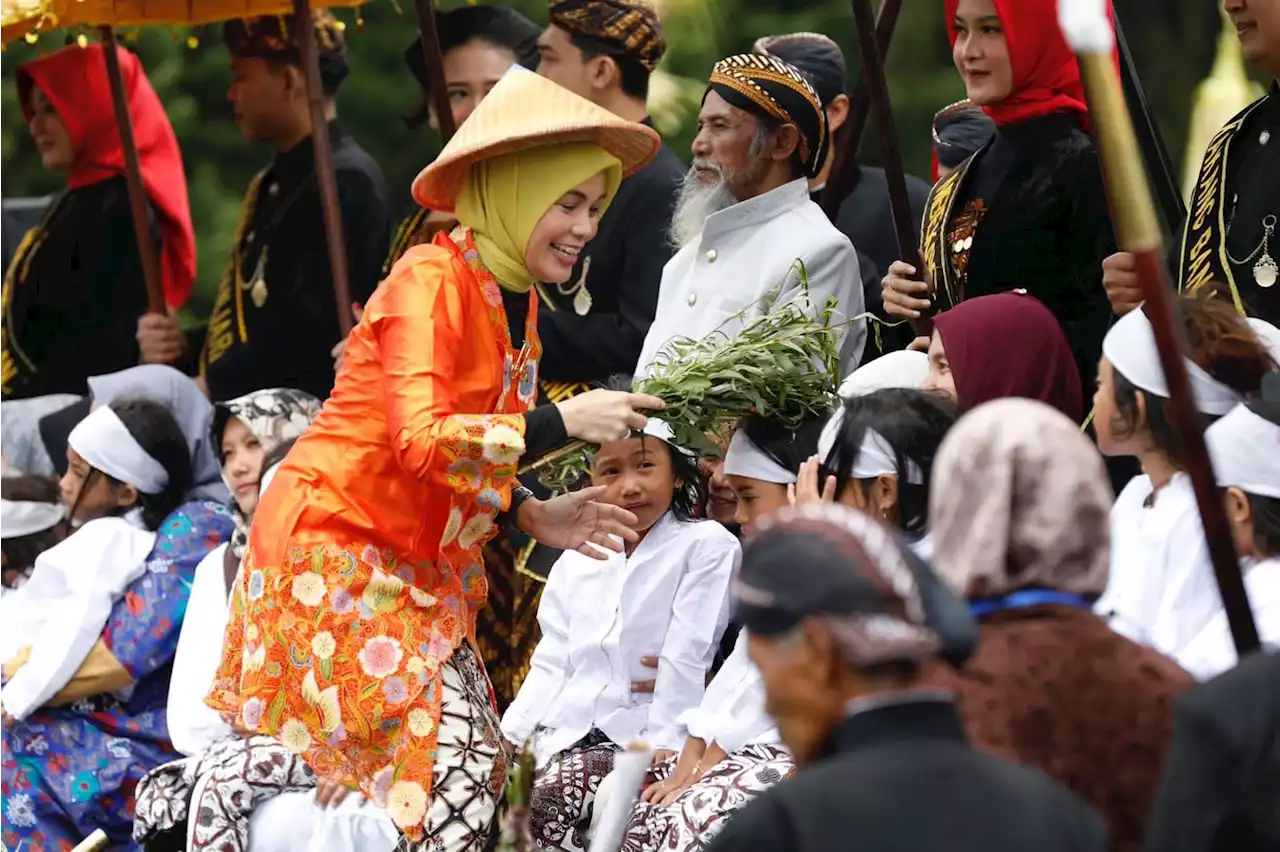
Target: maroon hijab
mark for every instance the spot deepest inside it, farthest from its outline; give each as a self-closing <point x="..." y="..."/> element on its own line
<point x="1010" y="345"/>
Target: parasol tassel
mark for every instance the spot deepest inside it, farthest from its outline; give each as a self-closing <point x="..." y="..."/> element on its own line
<point x="1087" y="29"/>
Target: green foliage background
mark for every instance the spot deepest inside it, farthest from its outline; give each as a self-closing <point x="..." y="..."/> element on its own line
<point x="1173" y="42"/>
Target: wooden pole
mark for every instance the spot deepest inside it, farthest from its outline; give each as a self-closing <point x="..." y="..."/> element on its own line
<point x="326" y="178"/>
<point x="1138" y="232"/>
<point x="434" y="57"/>
<point x="133" y="177"/>
<point x="845" y="173"/>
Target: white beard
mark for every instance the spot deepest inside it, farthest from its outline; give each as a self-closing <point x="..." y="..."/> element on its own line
<point x="695" y="202"/>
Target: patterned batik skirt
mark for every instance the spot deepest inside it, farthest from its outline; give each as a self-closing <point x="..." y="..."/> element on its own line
<point x="221" y="788"/>
<point x="470" y="767"/>
<point x="564" y="792"/>
<point x="693" y="820"/>
<point x="507" y="628"/>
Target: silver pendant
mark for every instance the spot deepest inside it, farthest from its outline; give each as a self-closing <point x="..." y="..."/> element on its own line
<point x="259" y="293"/>
<point x="1265" y="271"/>
<point x="582" y="300"/>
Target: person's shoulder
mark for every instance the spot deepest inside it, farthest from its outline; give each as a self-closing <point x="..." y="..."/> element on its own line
<point x="659" y="178"/>
<point x="353" y="164"/>
<point x="709" y="535"/>
<point x="765" y="823"/>
<point x="1250" y="689"/>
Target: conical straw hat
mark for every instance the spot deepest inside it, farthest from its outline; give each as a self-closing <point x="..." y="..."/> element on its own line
<point x="525" y="110"/>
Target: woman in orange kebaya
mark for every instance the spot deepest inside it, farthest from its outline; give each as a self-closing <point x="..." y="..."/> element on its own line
<point x="353" y="618"/>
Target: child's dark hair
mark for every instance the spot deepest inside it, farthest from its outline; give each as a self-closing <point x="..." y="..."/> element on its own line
<point x="1221" y="343"/>
<point x="20" y="552"/>
<point x="691" y="496"/>
<point x="789" y="448"/>
<point x="913" y="423"/>
<point x="155" y="430"/>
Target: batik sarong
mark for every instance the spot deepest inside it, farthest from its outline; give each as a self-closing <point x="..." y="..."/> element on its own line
<point x="564" y="792"/>
<point x="693" y="820"/>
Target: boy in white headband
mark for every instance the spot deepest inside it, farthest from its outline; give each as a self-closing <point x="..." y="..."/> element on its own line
<point x="128" y="466"/>
<point x="1245" y="449"/>
<point x="1161" y="589"/>
<point x="666" y="596"/>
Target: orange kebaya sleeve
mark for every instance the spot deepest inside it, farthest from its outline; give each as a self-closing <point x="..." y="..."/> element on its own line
<point x="433" y="354"/>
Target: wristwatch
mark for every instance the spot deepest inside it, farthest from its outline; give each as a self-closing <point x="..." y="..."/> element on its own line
<point x="508" y="518"/>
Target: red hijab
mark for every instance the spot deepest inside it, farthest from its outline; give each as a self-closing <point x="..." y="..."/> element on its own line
<point x="1046" y="76"/>
<point x="75" y="82"/>
<point x="1010" y="345"/>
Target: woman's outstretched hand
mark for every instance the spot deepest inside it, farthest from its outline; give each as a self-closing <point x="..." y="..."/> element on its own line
<point x="576" y="521"/>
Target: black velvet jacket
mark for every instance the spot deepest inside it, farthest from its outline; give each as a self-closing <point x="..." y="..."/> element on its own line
<point x="1046" y="228"/>
<point x="74" y="294"/>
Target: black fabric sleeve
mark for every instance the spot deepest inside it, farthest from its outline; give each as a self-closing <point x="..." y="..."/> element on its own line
<point x="602" y="344"/>
<point x="543" y="431"/>
<point x="366" y="225"/>
<point x="94" y="305"/>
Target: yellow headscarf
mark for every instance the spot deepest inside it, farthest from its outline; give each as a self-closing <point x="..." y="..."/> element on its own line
<point x="506" y="196"/>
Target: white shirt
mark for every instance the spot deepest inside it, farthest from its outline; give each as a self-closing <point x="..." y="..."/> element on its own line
<point x="194" y="725"/>
<point x="669" y="599"/>
<point x="1161" y="590"/>
<point x="747" y="252"/>
<point x="732" y="713"/>
<point x="1213" y="651"/>
<point x="61" y="611"/>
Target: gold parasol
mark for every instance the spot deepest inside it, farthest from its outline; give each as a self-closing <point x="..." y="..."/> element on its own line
<point x="130" y="13"/>
<point x="22" y="16"/>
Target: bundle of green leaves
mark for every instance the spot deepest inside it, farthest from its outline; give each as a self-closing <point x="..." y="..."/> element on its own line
<point x="782" y="365"/>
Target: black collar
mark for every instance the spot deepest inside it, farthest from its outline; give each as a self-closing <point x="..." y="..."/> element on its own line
<point x="913" y="719"/>
<point x="1055" y="125"/>
<point x="292" y="167"/>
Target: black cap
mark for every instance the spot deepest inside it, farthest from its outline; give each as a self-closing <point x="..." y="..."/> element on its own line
<point x="828" y="560"/>
<point x="959" y="132"/>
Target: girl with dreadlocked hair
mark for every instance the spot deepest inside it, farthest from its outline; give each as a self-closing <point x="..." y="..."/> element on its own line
<point x="32" y="520"/>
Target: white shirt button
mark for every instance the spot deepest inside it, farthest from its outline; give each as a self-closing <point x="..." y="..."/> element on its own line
<point x="273" y="189"/>
<point x="711" y="256"/>
<point x="692" y="299"/>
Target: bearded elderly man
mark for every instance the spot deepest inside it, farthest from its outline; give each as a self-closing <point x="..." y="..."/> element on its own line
<point x="744" y="222"/>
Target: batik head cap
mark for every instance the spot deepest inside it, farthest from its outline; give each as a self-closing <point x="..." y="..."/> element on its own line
<point x="881" y="601"/>
<point x="525" y="110"/>
<point x="1130" y="346"/>
<point x="1244" y="447"/>
<point x="271" y="37"/>
<point x="767" y="87"/>
<point x="818" y="57"/>
<point x="631" y="26"/>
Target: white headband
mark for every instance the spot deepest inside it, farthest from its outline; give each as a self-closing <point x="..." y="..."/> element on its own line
<point x="744" y="458"/>
<point x="875" y="457"/>
<point x="104" y="442"/>
<point x="1245" y="451"/>
<point x="1130" y="346"/>
<point x="1268" y="334"/>
<point x="19" y="518"/>
<point x="904" y="369"/>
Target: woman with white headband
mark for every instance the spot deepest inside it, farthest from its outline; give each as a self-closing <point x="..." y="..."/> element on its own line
<point x="128" y="466"/>
<point x="1245" y="449"/>
<point x="666" y="596"/>
<point x="1161" y="590"/>
<point x="731" y="748"/>
<point x="32" y="520"/>
<point x="876" y="455"/>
